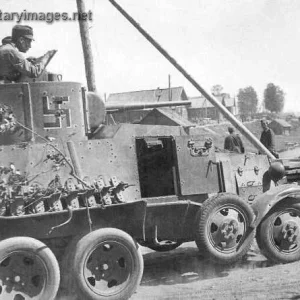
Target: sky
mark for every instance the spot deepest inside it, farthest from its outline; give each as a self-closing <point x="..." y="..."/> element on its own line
<point x="233" y="43"/>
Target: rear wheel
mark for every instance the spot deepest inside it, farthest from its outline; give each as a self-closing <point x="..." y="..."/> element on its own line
<point x="107" y="264"/>
<point x="223" y="228"/>
<point x="278" y="235"/>
<point x="28" y="270"/>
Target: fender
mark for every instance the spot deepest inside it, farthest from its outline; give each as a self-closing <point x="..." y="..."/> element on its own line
<point x="264" y="202"/>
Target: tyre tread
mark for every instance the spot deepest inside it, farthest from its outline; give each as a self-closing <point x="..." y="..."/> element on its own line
<point x="201" y="240"/>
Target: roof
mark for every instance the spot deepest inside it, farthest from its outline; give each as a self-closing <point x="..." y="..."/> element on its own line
<point x="201" y="102"/>
<point x="282" y="122"/>
<point x="157" y="95"/>
<point x="171" y="115"/>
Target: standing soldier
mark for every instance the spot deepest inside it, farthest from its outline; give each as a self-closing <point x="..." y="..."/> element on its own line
<point x="267" y="138"/>
<point x="233" y="142"/>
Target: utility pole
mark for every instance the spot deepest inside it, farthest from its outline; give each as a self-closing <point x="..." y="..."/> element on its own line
<point x="169" y="91"/>
<point x="236" y="123"/>
<point x="86" y="46"/>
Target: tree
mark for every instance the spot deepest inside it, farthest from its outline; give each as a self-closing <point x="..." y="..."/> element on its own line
<point x="274" y="98"/>
<point x="216" y="89"/>
<point x="247" y="101"/>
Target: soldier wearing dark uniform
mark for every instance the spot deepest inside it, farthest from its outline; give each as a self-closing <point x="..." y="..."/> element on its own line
<point x="267" y="138"/>
<point x="233" y="142"/>
<point x="12" y="62"/>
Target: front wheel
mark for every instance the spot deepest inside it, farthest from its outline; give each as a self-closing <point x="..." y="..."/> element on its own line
<point x="28" y="270"/>
<point x="278" y="235"/>
<point x="223" y="228"/>
<point x="107" y="264"/>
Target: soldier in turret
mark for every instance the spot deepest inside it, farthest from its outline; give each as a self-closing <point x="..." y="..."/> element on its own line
<point x="12" y="63"/>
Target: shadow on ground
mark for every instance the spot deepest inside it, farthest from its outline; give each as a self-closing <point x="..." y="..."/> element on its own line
<point x="186" y="264"/>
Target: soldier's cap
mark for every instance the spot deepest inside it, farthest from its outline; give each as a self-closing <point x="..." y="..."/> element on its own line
<point x="230" y="129"/>
<point x="22" y="31"/>
<point x="264" y="121"/>
<point x="6" y="40"/>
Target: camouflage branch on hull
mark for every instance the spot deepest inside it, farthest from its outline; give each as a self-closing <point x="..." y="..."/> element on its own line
<point x="21" y="195"/>
<point x="7" y="120"/>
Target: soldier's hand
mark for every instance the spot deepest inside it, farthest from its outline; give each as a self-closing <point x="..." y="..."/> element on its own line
<point x="32" y="59"/>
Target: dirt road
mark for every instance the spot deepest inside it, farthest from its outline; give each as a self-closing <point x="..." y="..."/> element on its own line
<point x="184" y="274"/>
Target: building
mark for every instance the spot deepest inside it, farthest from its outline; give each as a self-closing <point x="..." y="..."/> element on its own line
<point x="162" y="116"/>
<point x="145" y="96"/>
<point x="201" y="108"/>
<point x="280" y="127"/>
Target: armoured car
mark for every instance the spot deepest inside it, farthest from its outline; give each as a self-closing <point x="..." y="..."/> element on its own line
<point x="78" y="198"/>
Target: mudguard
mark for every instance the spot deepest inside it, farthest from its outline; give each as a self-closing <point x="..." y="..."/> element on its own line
<point x="264" y="202"/>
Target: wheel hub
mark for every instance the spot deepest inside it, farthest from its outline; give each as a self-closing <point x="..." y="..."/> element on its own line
<point x="16" y="282"/>
<point x="290" y="231"/>
<point x="229" y="229"/>
<point x="103" y="269"/>
<point x="226" y="228"/>
<point x="108" y="268"/>
<point x="21" y="275"/>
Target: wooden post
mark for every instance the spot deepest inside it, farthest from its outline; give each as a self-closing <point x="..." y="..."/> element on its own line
<point x="170" y="95"/>
<point x="86" y="47"/>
